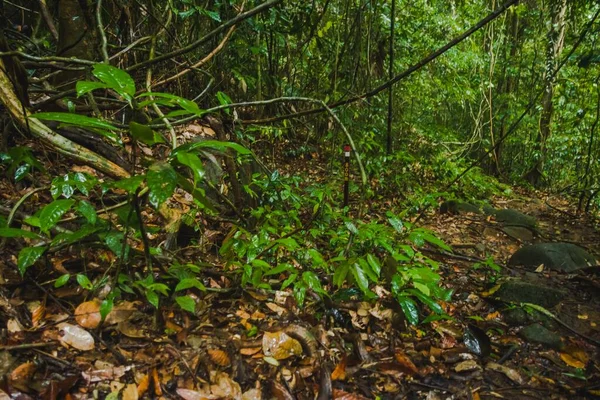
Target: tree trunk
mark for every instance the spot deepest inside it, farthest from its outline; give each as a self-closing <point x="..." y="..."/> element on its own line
<point x="555" y="44"/>
<point x="77" y="35"/>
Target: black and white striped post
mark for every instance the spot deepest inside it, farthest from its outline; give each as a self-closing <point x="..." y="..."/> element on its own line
<point x="347" y="150"/>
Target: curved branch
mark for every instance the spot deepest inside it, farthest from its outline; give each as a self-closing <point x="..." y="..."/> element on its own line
<point x="60" y="143"/>
<point x="200" y="63"/>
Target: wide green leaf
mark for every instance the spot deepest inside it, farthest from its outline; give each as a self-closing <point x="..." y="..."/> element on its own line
<point x="162" y="181"/>
<point x="213" y="144"/>
<point x="83" y="87"/>
<point x="18" y="233"/>
<point x="52" y="213"/>
<point x="186" y="303"/>
<point x="410" y="309"/>
<point x="188" y="283"/>
<point x="144" y="134"/>
<point x="360" y="277"/>
<point x="82" y="121"/>
<point x="172" y="100"/>
<point x="115" y="78"/>
<point x="84" y="282"/>
<point x="374" y="263"/>
<point x="28" y="256"/>
<point x="193" y="162"/>
<point x="130" y="184"/>
<point x="88" y="211"/>
<point x="73" y="237"/>
<point x="62" y="280"/>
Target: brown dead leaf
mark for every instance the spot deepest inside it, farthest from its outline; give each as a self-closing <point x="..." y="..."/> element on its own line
<point x="250" y="351"/>
<point x="405" y="362"/>
<point x="156" y="380"/>
<point x="121" y="312"/>
<point x="219" y="357"/>
<point x="511" y="374"/>
<point x="143" y="385"/>
<point x="339" y="373"/>
<point x="131" y="330"/>
<point x="280" y="345"/>
<point x="276" y="308"/>
<point x="87" y="314"/>
<point x="343" y="395"/>
<point x="574" y="356"/>
<point x="130" y="392"/>
<point x="23" y="372"/>
<point x="38" y="311"/>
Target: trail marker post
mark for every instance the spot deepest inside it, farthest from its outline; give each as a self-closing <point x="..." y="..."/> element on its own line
<point x="347" y="150"/>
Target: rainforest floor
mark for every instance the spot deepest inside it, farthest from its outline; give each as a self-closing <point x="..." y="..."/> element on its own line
<point x="244" y="343"/>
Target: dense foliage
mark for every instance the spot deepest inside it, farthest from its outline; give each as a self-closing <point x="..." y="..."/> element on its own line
<point x="517" y="99"/>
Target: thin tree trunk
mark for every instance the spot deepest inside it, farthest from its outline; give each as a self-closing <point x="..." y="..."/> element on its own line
<point x="555" y="44"/>
<point x="391" y="75"/>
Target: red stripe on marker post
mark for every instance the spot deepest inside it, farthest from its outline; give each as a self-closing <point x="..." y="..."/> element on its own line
<point x="347" y="150"/>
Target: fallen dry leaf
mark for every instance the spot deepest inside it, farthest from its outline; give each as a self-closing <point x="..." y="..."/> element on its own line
<point x="87" y="314"/>
<point x="339" y="373"/>
<point x="219" y="357"/>
<point x="512" y="374"/>
<point x="280" y="345"/>
<point x="405" y="362"/>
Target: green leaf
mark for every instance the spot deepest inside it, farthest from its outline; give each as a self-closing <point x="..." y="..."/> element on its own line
<point x="223" y="98"/>
<point x="261" y="264"/>
<point x="130" y="184"/>
<point x="288" y="243"/>
<point x="84" y="87"/>
<point x="428" y="301"/>
<point x="187" y="283"/>
<point x="351" y="227"/>
<point x="213" y="15"/>
<point x="18" y="233"/>
<point x="106" y="307"/>
<point x="172" y="100"/>
<point x="279" y="269"/>
<point x="84" y="282"/>
<point x="73" y="237"/>
<point x="312" y="281"/>
<point x="186" y="303"/>
<point x="289" y="281"/>
<point x="398" y="284"/>
<point x="88" y="211"/>
<point x="193" y="162"/>
<point x="52" y="213"/>
<point x="144" y="134"/>
<point x="360" y="277"/>
<point x="339" y="276"/>
<point x="74" y="119"/>
<point x="436" y="241"/>
<point x="116" y="79"/>
<point x="316" y="257"/>
<point x="364" y="265"/>
<point x="410" y="309"/>
<point x="62" y="280"/>
<point x="374" y="263"/>
<point x="213" y="144"/>
<point x="162" y="181"/>
<point x="152" y="298"/>
<point x="114" y="241"/>
<point x="396" y="224"/>
<point x="28" y="256"/>
<point x="422" y="288"/>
